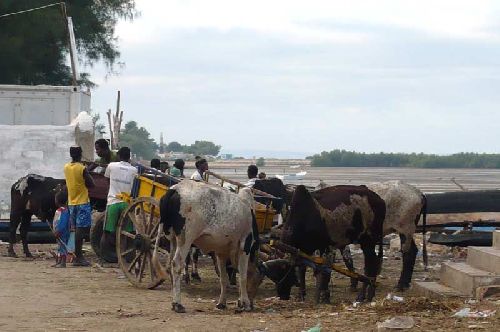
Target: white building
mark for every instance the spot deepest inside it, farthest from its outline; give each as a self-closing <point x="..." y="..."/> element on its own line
<point x="38" y="125"/>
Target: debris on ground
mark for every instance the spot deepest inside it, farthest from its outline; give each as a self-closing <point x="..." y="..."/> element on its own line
<point x="393" y="297"/>
<point x="398" y="322"/>
<point x="316" y="328"/>
<point x="468" y="313"/>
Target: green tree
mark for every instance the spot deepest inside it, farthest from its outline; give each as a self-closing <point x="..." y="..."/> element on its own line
<point x="99" y="127"/>
<point x="260" y="162"/>
<point x="34" y="45"/>
<point x="138" y="140"/>
<point x="343" y="158"/>
<point x="175" y="147"/>
<point x="203" y="148"/>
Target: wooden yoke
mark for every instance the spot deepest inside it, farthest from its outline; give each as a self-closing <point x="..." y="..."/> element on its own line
<point x="239" y="185"/>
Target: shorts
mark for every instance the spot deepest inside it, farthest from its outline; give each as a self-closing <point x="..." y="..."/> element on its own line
<point x="80" y="215"/>
<point x="113" y="213"/>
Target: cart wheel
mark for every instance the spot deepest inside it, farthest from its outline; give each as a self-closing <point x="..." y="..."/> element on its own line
<point x="135" y="240"/>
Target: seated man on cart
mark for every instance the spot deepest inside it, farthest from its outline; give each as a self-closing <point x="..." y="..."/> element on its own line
<point x="121" y="177"/>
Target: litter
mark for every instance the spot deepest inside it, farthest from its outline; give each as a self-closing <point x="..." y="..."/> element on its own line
<point x="316" y="328"/>
<point x="398" y="322"/>
<point x="467" y="313"/>
<point x="393" y="297"/>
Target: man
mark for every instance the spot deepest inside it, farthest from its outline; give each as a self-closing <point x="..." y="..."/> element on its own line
<point x="178" y="169"/>
<point x="155" y="163"/>
<point x="201" y="167"/>
<point x="252" y="172"/>
<point x="121" y="177"/>
<point x="106" y="156"/>
<point x="78" y="180"/>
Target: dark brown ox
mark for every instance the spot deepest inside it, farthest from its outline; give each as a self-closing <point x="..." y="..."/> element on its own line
<point x="405" y="204"/>
<point x="335" y="217"/>
<point x="31" y="195"/>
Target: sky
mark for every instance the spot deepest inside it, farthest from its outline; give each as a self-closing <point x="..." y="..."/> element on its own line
<point x="294" y="78"/>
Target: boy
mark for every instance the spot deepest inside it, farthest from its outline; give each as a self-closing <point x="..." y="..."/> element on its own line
<point x="61" y="228"/>
<point x="201" y="167"/>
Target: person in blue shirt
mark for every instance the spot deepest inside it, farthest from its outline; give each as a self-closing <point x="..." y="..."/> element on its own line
<point x="61" y="227"/>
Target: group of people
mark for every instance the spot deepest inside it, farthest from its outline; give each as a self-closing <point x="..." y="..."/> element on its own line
<point x="73" y="218"/>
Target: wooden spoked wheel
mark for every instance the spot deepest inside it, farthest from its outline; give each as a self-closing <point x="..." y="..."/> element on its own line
<point x="135" y="240"/>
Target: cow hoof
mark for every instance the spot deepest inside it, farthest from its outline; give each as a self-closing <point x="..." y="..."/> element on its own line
<point x="354" y="285"/>
<point x="186" y="279"/>
<point x="29" y="255"/>
<point x="12" y="254"/>
<point x="361" y="298"/>
<point x="195" y="276"/>
<point x="301" y="297"/>
<point x="241" y="309"/>
<point x="401" y="287"/>
<point x="178" y="308"/>
<point x="221" y="306"/>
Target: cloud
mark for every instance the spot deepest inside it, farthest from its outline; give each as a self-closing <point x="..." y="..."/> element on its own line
<point x="284" y="76"/>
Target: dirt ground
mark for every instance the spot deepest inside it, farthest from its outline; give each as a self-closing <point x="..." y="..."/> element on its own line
<point x="36" y="297"/>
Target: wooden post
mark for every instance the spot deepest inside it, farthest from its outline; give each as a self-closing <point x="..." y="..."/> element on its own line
<point x="115" y="124"/>
<point x="110" y="127"/>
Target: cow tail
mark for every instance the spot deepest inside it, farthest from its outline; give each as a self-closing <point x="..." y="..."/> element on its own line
<point x="166" y="210"/>
<point x="424" y="230"/>
<point x="254" y="250"/>
<point x="380" y="253"/>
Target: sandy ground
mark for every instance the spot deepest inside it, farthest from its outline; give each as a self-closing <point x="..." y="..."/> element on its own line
<point x="36" y="297"/>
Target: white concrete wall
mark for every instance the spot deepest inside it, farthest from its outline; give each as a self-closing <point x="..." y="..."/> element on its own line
<point x="40" y="149"/>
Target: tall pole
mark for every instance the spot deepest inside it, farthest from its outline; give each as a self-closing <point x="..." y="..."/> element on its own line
<point x="71" y="42"/>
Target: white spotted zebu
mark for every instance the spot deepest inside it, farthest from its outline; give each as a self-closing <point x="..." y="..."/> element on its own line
<point x="215" y="220"/>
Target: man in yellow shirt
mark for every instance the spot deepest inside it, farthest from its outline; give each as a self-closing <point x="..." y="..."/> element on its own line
<point x="78" y="180"/>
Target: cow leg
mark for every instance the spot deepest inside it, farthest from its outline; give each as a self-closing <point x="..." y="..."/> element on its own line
<point x="25" y="225"/>
<point x="15" y="219"/>
<point x="185" y="277"/>
<point x="322" y="282"/>
<point x="347" y="258"/>
<point x="214" y="261"/>
<point x="300" y="270"/>
<point x="372" y="265"/>
<point x="195" y="257"/>
<point x="178" y="261"/>
<point x="224" y="281"/>
<point x="409" y="258"/>
<point x="244" y="301"/>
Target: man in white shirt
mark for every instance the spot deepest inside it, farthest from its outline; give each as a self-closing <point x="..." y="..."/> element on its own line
<point x="201" y="168"/>
<point x="121" y="177"/>
<point x="252" y="172"/>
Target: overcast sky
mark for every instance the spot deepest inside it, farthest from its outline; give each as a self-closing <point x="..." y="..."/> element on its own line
<point x="306" y="76"/>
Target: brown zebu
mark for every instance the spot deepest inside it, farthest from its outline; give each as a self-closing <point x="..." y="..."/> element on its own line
<point x="335" y="217"/>
<point x="405" y="204"/>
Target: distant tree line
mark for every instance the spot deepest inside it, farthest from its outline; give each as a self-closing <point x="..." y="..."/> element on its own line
<point x="202" y="148"/>
<point x="343" y="158"/>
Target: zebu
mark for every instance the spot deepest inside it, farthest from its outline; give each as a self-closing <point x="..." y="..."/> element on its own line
<point x="215" y="220"/>
<point x="333" y="217"/>
<point x="31" y="195"/>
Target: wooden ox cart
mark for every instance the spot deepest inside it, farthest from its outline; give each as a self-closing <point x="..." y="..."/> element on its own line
<point x="137" y="228"/>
